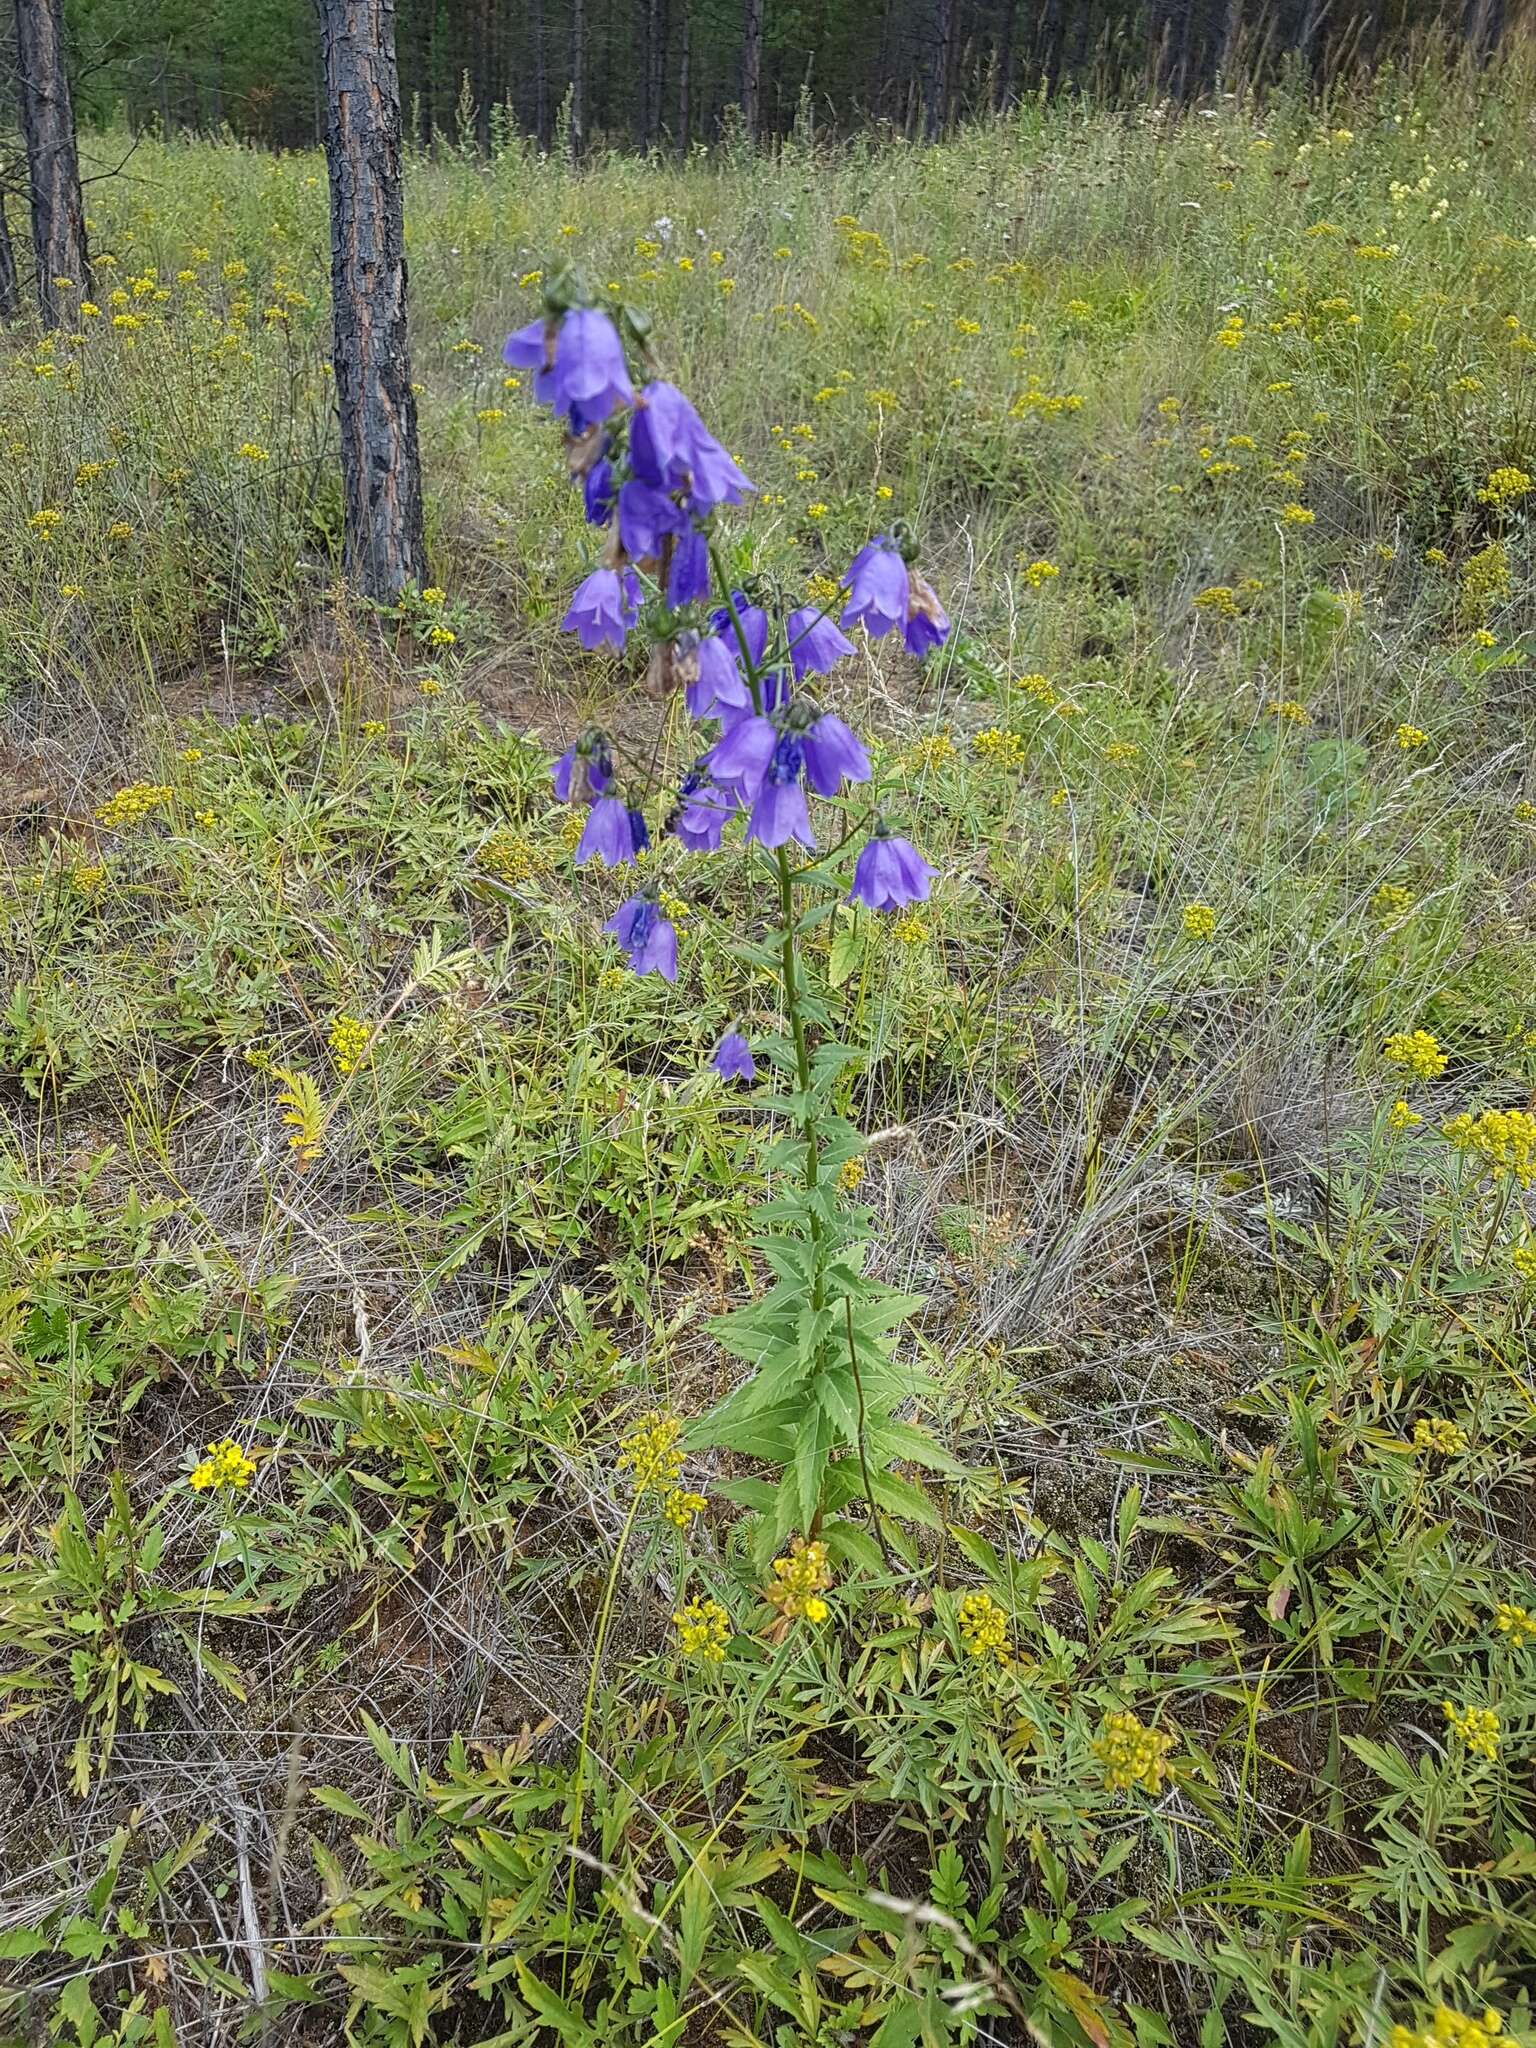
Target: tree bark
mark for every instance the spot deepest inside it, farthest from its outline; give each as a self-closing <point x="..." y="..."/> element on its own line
<point x="540" y="80"/>
<point x="578" y="78"/>
<point x="752" y="67"/>
<point x="936" y="70"/>
<point x="48" y="125"/>
<point x="385" y="546"/>
<point x="685" y="84"/>
<point x="10" y="288"/>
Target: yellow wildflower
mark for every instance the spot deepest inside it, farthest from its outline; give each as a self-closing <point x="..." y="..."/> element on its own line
<point x="651" y="1453"/>
<point x="1439" y="1437"/>
<point x="1130" y="1754"/>
<point x="703" y="1630"/>
<point x="1199" y="920"/>
<point x="226" y="1466"/>
<point x="349" y="1039"/>
<point x="800" y="1578"/>
<point x="1417" y="1051"/>
<point x="984" y="1628"/>
<point x="1477" y="1727"/>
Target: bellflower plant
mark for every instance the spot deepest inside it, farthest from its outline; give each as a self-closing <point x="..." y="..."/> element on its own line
<point x="821" y="1400"/>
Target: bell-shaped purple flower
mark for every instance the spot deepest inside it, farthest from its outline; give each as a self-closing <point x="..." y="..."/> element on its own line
<point x="740" y="758"/>
<point x="719" y="683"/>
<point x="688" y="575"/>
<point x="779" y="810"/>
<point x="584" y="770"/>
<point x="532" y="348"/>
<point x="590" y="379"/>
<point x="815" y="643"/>
<point x="672" y="449"/>
<point x="599" y="491"/>
<point x="732" y="1058"/>
<point x="879" y="586"/>
<point x="926" y="625"/>
<point x="646" y="937"/>
<point x="890" y="873"/>
<point x="615" y="832"/>
<point x="833" y="755"/>
<point x="752" y="621"/>
<point x="703" y="811"/>
<point x="603" y="609"/>
<point x="645" y="516"/>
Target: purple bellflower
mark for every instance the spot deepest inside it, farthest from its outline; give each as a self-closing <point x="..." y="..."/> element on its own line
<point x="732" y="1059"/>
<point x="603" y="609"/>
<point x="614" y="831"/>
<point x="927" y="625"/>
<point x="879" y="587"/>
<point x="753" y="621"/>
<point x="719" y="686"/>
<point x="589" y="377"/>
<point x="645" y="518"/>
<point x="672" y="449"/>
<point x="702" y="812"/>
<point x="599" y="491"/>
<point x="531" y="348"/>
<point x="646" y="937"/>
<point x="833" y="755"/>
<point x="779" y="812"/>
<point x="584" y="770"/>
<point x="815" y="643"/>
<point x="740" y="758"/>
<point x="890" y="872"/>
<point x="688" y="575"/>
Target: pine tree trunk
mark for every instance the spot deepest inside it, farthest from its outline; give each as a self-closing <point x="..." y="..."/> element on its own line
<point x="752" y="67"/>
<point x="10" y="287"/>
<point x="578" y="78"/>
<point x="685" y="85"/>
<point x="48" y="125"/>
<point x="936" y="71"/>
<point x="385" y="547"/>
<point x="540" y="80"/>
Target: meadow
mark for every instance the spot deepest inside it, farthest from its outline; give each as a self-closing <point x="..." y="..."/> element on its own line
<point x="380" y="1657"/>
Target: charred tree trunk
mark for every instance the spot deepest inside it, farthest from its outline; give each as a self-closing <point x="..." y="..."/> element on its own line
<point x="578" y="78"/>
<point x="936" y="69"/>
<point x="1002" y="76"/>
<point x="10" y="287"/>
<point x="385" y="546"/>
<point x="752" y="67"/>
<point x="48" y="126"/>
<point x="685" y="84"/>
<point x="540" y="80"/>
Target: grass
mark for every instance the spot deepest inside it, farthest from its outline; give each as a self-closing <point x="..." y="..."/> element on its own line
<point x="334" y="1132"/>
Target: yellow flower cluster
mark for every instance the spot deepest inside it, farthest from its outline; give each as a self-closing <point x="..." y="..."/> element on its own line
<point x="1034" y="403"/>
<point x="1410" y="737"/>
<point x="1121" y="750"/>
<point x="1288" y="709"/>
<point x="252" y="451"/>
<point x="1439" y="1437"/>
<point x="1450" y="2030"/>
<point x="225" y="1466"/>
<point x="909" y="930"/>
<point x="348" y="1039"/>
<point x="1391" y="900"/>
<point x="1503" y="487"/>
<point x="799" y="1580"/>
<point x="128" y="805"/>
<point x="679" y="1507"/>
<point x="1417" y="1051"/>
<point x="1130" y="1754"/>
<point x="1401" y="1118"/>
<point x="1038" y="574"/>
<point x="652" y="1453"/>
<point x="984" y="1627"/>
<point x="1297" y="515"/>
<point x="1478" y="1728"/>
<point x="1199" y="920"/>
<point x="1485" y="577"/>
<point x="87" y="878"/>
<point x="1515" y="1623"/>
<point x="1002" y="749"/>
<point x="1504" y="1139"/>
<point x="932" y="751"/>
<point x="1522" y="1258"/>
<point x="703" y="1630"/>
<point x="509" y="858"/>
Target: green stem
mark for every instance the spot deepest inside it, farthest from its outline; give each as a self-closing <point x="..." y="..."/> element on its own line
<point x="579" y="1804"/>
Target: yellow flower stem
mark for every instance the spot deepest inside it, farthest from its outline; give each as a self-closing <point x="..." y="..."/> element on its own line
<point x="579" y="1792"/>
